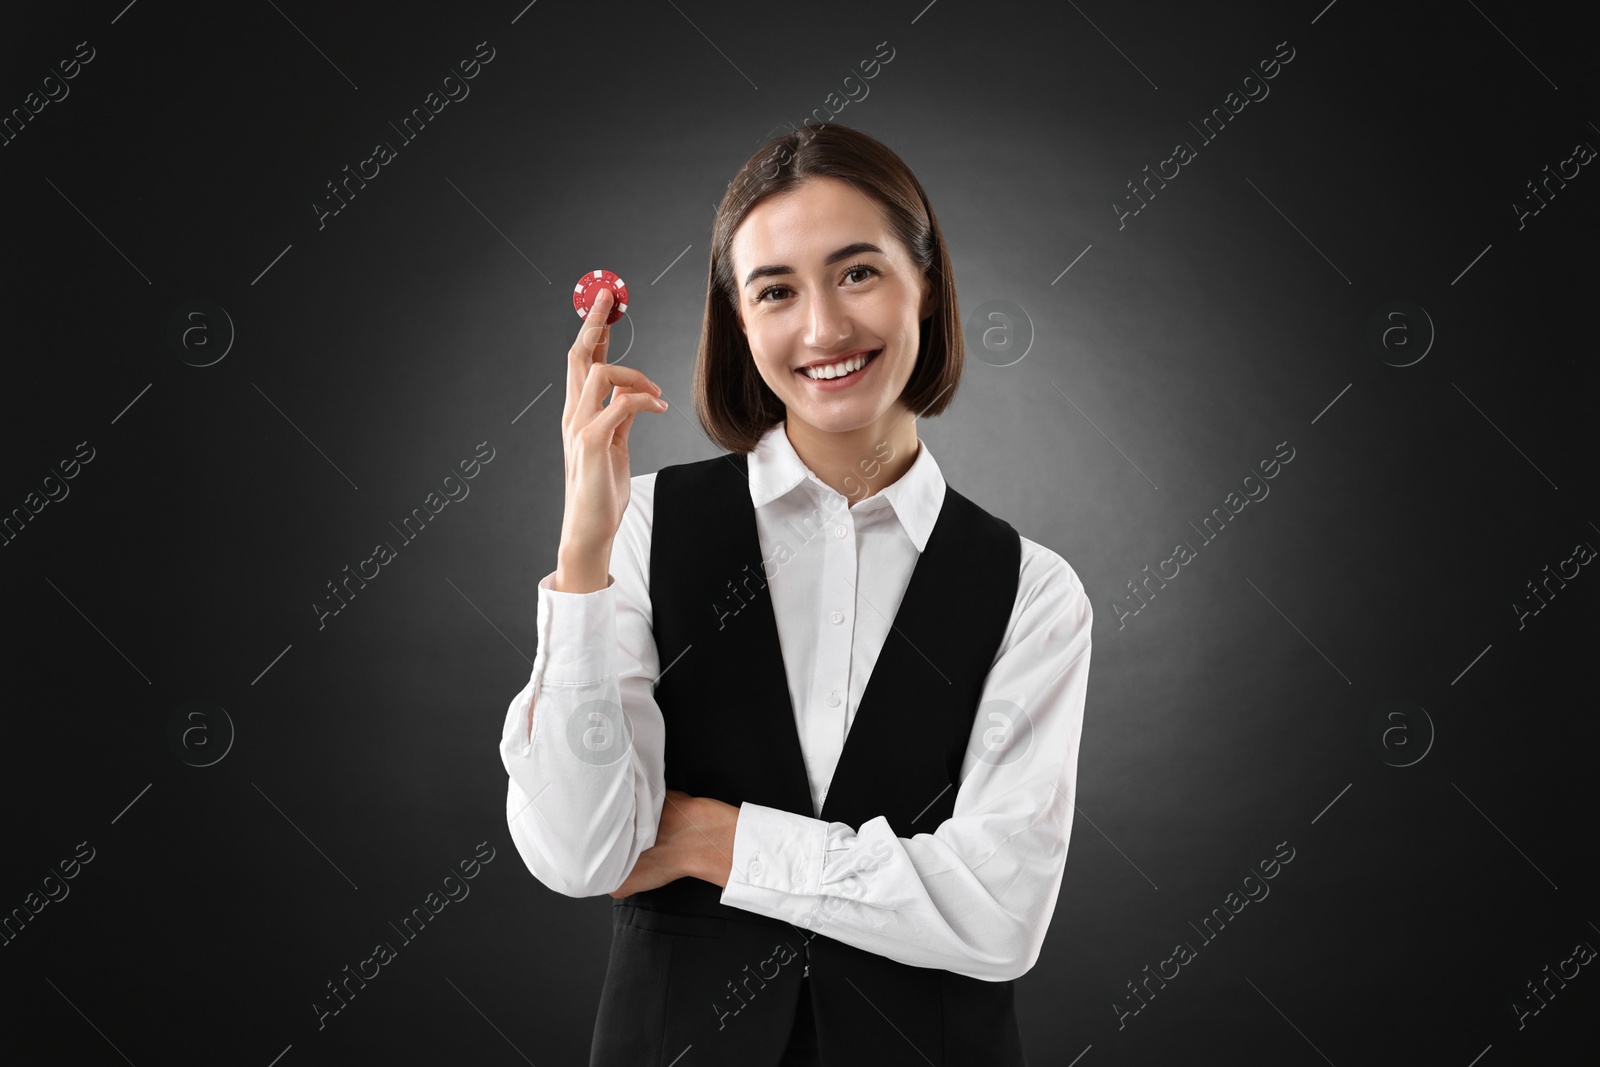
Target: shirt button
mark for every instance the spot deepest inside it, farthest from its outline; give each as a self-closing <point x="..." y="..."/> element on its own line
<point x="838" y="531"/>
<point x="837" y="617"/>
<point x="755" y="868"/>
<point x="833" y="700"/>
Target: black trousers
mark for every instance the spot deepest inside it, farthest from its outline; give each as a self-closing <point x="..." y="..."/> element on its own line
<point x="802" y="1047"/>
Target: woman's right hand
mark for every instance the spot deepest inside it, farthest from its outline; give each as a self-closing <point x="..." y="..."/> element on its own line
<point x="595" y="439"/>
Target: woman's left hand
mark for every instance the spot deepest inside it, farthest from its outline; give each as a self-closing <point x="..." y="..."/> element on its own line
<point x="694" y="839"/>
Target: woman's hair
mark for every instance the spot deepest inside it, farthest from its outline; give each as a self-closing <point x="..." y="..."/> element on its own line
<point x="731" y="400"/>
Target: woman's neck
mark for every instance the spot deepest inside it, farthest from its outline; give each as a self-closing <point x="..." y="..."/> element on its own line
<point x="858" y="463"/>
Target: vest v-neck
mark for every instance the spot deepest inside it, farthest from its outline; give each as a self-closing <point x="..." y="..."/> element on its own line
<point x="731" y="729"/>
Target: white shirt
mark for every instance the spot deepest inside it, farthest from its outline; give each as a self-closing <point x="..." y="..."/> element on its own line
<point x="974" y="895"/>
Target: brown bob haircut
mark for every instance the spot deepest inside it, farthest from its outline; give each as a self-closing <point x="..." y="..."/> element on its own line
<point x="731" y="400"/>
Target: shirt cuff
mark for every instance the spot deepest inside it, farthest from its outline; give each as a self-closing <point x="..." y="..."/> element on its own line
<point x="777" y="863"/>
<point x="577" y="633"/>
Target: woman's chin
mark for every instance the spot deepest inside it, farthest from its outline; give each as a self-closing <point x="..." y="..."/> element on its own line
<point x="843" y="417"/>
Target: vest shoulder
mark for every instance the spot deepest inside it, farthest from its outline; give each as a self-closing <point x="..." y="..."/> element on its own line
<point x="976" y="515"/>
<point x="711" y="471"/>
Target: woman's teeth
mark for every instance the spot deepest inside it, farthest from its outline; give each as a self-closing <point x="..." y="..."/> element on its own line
<point x="839" y="370"/>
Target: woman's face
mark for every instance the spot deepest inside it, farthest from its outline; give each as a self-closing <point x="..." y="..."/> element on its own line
<point x="830" y="280"/>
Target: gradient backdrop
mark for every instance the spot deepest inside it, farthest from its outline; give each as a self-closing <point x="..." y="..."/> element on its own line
<point x="248" y="389"/>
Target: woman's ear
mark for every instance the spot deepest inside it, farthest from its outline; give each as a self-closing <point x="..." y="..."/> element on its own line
<point x="930" y="298"/>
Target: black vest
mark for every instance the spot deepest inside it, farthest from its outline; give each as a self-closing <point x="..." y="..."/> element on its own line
<point x="689" y="972"/>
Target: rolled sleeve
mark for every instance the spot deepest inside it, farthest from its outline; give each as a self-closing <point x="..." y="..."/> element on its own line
<point x="574" y="656"/>
<point x="577" y="650"/>
<point x="583" y="742"/>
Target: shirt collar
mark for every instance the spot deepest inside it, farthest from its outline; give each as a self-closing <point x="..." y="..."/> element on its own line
<point x="916" y="497"/>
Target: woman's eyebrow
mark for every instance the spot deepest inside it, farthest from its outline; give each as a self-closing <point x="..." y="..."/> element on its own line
<point x="844" y="253"/>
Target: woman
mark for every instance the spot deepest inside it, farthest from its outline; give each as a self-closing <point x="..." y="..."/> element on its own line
<point x="814" y="723"/>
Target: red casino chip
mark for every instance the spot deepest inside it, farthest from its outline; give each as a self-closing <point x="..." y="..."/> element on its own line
<point x="588" y="288"/>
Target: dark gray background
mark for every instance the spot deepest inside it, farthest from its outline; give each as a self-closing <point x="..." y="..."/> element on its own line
<point x="1231" y="714"/>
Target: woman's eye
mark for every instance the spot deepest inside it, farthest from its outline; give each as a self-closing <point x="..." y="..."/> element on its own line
<point x="860" y="268"/>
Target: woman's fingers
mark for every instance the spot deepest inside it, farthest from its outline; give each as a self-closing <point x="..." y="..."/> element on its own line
<point x="600" y="330"/>
<point x="588" y="373"/>
<point x="603" y="428"/>
<point x="594" y="436"/>
<point x="603" y="376"/>
<point x="590" y="348"/>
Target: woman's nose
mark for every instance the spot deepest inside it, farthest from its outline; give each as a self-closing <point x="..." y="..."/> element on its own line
<point x="828" y="322"/>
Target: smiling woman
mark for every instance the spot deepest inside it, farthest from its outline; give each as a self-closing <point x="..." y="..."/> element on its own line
<point x="825" y="780"/>
<point x="875" y="279"/>
<point x="860" y="305"/>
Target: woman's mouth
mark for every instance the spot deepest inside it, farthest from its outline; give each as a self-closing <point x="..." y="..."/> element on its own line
<point x="843" y="380"/>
